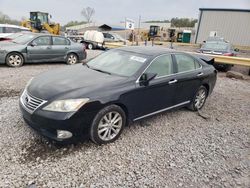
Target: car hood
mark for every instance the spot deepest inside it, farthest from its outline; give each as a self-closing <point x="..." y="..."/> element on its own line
<point x="5" y="45"/>
<point x="75" y="81"/>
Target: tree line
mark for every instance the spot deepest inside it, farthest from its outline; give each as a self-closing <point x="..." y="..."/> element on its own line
<point x="177" y="22"/>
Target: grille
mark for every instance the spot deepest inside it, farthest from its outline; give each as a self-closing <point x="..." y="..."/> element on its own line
<point x="30" y="102"/>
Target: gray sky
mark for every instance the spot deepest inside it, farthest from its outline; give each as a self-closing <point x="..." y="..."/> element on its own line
<point x="114" y="11"/>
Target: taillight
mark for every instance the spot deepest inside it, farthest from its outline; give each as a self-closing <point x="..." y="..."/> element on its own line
<point x="228" y="54"/>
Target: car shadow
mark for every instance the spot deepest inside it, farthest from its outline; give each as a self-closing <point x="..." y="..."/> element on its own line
<point x="42" y="149"/>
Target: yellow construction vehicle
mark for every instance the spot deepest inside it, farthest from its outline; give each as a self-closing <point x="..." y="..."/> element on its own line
<point x="39" y="21"/>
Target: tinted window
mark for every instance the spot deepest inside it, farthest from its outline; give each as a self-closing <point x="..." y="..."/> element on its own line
<point x="186" y="63"/>
<point x="42" y="41"/>
<point x="60" y="41"/>
<point x="161" y="65"/>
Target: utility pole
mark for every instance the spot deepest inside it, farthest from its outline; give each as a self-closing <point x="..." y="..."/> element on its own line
<point x="138" y="34"/>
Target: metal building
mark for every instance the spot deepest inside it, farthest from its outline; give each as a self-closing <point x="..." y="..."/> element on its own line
<point x="231" y="24"/>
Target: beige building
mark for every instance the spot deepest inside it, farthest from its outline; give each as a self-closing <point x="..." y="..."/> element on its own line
<point x="231" y="24"/>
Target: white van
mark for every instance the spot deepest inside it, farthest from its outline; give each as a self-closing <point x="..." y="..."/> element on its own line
<point x="8" y="29"/>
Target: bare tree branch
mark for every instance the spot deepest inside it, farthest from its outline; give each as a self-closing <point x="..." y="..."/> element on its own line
<point x="88" y="13"/>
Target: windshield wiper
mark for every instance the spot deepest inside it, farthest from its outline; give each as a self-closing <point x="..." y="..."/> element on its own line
<point x="100" y="70"/>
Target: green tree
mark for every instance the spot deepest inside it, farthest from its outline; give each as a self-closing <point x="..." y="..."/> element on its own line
<point x="183" y="22"/>
<point x="5" y="19"/>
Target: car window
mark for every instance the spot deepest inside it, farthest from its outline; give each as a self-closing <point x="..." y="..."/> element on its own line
<point x="162" y="66"/>
<point x="216" y="46"/>
<point x="42" y="41"/>
<point x="186" y="63"/>
<point x="109" y="36"/>
<point x="60" y="41"/>
<point x="11" y="30"/>
<point x="1" y="29"/>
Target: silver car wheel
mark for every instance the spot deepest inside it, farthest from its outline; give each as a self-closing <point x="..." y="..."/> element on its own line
<point x="109" y="126"/>
<point x="15" y="60"/>
<point x="200" y="98"/>
<point x="72" y="59"/>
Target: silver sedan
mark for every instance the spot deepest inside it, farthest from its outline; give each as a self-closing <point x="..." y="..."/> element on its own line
<point x="38" y="47"/>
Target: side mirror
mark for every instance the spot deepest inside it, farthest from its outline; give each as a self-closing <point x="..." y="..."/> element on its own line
<point x="237" y="49"/>
<point x="146" y="78"/>
<point x="33" y="44"/>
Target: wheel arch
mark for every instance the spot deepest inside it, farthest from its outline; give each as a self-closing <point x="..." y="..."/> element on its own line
<point x="125" y="109"/>
<point x="24" y="59"/>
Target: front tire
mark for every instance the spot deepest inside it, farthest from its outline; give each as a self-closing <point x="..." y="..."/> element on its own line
<point x="72" y="59"/>
<point x="107" y="125"/>
<point x="14" y="59"/>
<point x="199" y="99"/>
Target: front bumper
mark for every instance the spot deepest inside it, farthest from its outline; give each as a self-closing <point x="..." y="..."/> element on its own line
<point x="47" y="123"/>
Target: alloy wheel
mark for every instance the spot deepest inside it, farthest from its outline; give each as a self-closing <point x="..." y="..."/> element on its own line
<point x="72" y="59"/>
<point x="200" y="98"/>
<point x="109" y="126"/>
<point x="15" y="60"/>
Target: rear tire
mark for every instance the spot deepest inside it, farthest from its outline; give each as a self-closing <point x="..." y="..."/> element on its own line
<point x="72" y="59"/>
<point x="14" y="59"/>
<point x="107" y="125"/>
<point x="199" y="99"/>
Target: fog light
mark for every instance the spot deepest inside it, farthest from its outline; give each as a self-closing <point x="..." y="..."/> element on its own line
<point x="63" y="134"/>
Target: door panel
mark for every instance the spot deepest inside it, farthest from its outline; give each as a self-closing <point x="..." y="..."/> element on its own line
<point x="189" y="76"/>
<point x="159" y="93"/>
<point x="40" y="50"/>
<point x="60" y="47"/>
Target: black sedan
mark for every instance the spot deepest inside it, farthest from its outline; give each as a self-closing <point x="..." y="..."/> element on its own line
<point x="96" y="100"/>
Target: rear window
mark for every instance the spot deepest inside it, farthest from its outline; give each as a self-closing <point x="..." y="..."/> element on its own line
<point x="215" y="46"/>
<point x="186" y="63"/>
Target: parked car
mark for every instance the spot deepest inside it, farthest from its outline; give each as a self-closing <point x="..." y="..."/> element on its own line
<point x="97" y="99"/>
<point x="38" y="47"/>
<point x="8" y="29"/>
<point x="218" y="47"/>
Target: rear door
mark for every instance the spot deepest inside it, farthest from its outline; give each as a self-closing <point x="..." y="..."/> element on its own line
<point x="189" y="76"/>
<point x="40" y="50"/>
<point x="60" y="48"/>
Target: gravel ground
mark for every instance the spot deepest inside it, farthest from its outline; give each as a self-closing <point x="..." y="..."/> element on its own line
<point x="174" y="149"/>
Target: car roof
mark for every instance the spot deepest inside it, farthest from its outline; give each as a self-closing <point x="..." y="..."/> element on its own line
<point x="148" y="50"/>
<point x="13" y="26"/>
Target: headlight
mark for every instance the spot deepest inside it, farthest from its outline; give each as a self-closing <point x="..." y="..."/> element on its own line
<point x="69" y="105"/>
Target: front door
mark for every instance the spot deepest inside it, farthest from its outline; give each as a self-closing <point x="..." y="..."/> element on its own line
<point x="40" y="50"/>
<point x="158" y="95"/>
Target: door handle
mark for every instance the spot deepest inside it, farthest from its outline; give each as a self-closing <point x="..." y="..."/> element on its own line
<point x="200" y="74"/>
<point x="49" y="47"/>
<point x="172" y="81"/>
<point x="66" y="48"/>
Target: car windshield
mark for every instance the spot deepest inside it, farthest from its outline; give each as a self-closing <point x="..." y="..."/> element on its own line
<point x="215" y="46"/>
<point x="23" y="39"/>
<point x="118" y="62"/>
<point x="13" y="36"/>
